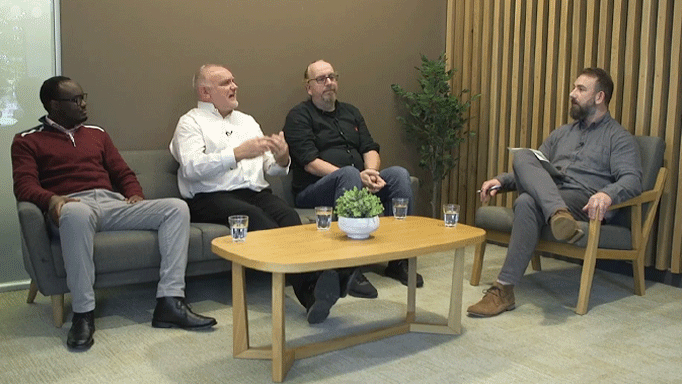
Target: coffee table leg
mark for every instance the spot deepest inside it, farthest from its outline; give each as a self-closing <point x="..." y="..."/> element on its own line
<point x="455" y="313"/>
<point x="411" y="289"/>
<point x="240" y="329"/>
<point x="281" y="359"/>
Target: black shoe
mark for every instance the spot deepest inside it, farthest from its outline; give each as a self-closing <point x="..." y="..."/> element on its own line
<point x="174" y="312"/>
<point x="82" y="329"/>
<point x="346" y="278"/>
<point x="397" y="269"/>
<point x="304" y="286"/>
<point x="327" y="292"/>
<point x="361" y="287"/>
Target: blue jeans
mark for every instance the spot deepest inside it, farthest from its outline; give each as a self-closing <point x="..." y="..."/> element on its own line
<point x="326" y="190"/>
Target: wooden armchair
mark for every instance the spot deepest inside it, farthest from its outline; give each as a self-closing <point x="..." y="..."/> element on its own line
<point x="625" y="240"/>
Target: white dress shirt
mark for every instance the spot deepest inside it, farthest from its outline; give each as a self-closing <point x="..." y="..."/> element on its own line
<point x="204" y="144"/>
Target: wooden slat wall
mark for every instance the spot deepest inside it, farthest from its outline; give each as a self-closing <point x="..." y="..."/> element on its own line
<point x="522" y="57"/>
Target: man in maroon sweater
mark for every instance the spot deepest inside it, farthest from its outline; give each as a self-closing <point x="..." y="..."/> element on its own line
<point x="75" y="174"/>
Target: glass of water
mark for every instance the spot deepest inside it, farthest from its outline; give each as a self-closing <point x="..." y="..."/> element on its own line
<point x="323" y="217"/>
<point x="238" y="227"/>
<point x="400" y="207"/>
<point x="450" y="214"/>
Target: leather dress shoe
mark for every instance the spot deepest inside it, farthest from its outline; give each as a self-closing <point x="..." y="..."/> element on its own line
<point x="82" y="328"/>
<point x="564" y="227"/>
<point x="173" y="312"/>
<point x="397" y="269"/>
<point x="346" y="278"/>
<point x="361" y="287"/>
<point x="327" y="291"/>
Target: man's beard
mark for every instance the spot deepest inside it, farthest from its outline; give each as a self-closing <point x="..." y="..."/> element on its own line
<point x="329" y="97"/>
<point x="579" y="112"/>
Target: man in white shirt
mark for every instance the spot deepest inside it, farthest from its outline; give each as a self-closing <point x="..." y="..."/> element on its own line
<point x="223" y="158"/>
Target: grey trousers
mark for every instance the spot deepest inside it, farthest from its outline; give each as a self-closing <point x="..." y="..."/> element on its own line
<point x="100" y="210"/>
<point x="539" y="197"/>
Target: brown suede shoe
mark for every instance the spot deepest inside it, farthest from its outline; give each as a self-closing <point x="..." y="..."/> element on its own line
<point x="564" y="227"/>
<point x="497" y="299"/>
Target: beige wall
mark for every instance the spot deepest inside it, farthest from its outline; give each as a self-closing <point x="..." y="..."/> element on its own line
<point x="136" y="59"/>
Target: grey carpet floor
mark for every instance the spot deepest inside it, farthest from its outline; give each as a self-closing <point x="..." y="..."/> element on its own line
<point x="623" y="338"/>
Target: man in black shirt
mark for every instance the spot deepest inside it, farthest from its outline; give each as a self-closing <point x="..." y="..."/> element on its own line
<point x="333" y="151"/>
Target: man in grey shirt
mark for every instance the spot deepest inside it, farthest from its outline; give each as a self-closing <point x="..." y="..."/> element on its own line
<point x="598" y="164"/>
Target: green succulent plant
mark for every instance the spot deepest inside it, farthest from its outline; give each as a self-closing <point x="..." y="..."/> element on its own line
<point x="358" y="203"/>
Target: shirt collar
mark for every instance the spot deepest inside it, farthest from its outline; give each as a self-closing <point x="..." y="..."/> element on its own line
<point x="604" y="119"/>
<point x="330" y="113"/>
<point x="210" y="108"/>
<point x="52" y="124"/>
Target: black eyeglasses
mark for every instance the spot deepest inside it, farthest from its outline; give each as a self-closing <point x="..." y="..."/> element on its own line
<point x="323" y="79"/>
<point x="76" y="99"/>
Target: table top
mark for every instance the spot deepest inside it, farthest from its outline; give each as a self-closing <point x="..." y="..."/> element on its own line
<point x="303" y="248"/>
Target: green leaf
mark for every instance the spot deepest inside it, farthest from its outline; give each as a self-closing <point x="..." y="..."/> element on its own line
<point x="358" y="203"/>
<point x="435" y="116"/>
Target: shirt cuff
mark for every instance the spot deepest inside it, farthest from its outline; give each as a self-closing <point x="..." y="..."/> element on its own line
<point x="276" y="169"/>
<point x="228" y="159"/>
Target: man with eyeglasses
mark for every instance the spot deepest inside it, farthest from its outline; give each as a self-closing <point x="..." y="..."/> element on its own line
<point x="333" y="151"/>
<point x="72" y="172"/>
<point x="223" y="158"/>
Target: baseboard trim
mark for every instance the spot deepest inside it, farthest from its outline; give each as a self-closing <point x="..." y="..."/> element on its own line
<point x="15" y="285"/>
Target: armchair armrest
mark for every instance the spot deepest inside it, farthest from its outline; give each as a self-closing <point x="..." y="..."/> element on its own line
<point x="645" y="197"/>
<point x="35" y="236"/>
<point x="641" y="230"/>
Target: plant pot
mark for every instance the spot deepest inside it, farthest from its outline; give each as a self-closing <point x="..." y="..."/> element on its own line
<point x="358" y="228"/>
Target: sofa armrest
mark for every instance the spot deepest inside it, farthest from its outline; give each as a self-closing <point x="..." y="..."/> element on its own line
<point x="34" y="237"/>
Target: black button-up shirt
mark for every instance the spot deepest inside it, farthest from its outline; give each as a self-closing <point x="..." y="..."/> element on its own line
<point x="339" y="137"/>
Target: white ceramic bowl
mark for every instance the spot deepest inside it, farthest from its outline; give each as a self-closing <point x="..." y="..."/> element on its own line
<point x="358" y="228"/>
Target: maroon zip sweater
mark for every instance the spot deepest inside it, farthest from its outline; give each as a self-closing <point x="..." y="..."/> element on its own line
<point x="46" y="162"/>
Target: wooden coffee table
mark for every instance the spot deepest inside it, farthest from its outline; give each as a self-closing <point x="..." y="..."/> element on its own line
<point x="303" y="249"/>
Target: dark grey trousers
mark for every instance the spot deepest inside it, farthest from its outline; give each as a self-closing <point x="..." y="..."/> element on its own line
<point x="539" y="197"/>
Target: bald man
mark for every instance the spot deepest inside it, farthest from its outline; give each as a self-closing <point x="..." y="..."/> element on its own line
<point x="333" y="151"/>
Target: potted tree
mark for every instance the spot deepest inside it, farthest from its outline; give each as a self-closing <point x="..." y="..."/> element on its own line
<point x="358" y="211"/>
<point x="435" y="122"/>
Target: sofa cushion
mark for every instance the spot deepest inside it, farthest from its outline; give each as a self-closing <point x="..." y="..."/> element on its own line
<point x="156" y="170"/>
<point x="209" y="232"/>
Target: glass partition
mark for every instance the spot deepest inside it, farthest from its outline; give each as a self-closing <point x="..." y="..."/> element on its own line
<point x="28" y="55"/>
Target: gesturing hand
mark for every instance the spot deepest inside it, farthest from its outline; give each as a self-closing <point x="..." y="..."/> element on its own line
<point x="55" y="206"/>
<point x="279" y="148"/>
<point x="252" y="148"/>
<point x="597" y="206"/>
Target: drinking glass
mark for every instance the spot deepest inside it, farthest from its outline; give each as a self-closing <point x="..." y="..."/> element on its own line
<point x="238" y="227"/>
<point x="450" y="214"/>
<point x="323" y="217"/>
<point x="400" y="207"/>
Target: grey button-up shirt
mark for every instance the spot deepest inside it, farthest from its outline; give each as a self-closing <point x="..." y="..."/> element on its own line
<point x="602" y="157"/>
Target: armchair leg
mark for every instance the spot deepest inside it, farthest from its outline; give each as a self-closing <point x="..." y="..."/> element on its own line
<point x="478" y="264"/>
<point x="638" y="274"/>
<point x="589" y="264"/>
<point x="58" y="310"/>
<point x="32" y="292"/>
<point x="535" y="262"/>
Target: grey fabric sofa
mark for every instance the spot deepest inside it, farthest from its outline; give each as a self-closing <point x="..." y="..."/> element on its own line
<point x="127" y="257"/>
